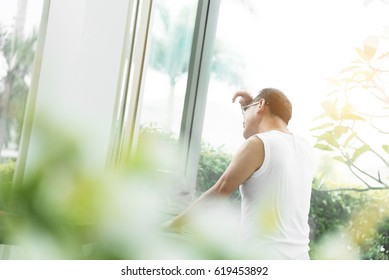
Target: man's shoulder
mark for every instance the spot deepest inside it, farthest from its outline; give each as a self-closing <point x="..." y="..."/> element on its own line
<point x="254" y="140"/>
<point x="252" y="145"/>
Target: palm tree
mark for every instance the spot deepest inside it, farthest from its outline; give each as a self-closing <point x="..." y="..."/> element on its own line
<point x="18" y="54"/>
<point x="20" y="19"/>
<point x="171" y="47"/>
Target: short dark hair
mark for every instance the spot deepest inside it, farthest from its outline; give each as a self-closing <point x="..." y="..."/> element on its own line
<point x="277" y="101"/>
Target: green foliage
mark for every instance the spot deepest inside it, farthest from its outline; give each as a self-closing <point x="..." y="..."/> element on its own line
<point x="329" y="212"/>
<point x="59" y="205"/>
<point x="6" y="177"/>
<point x="346" y="125"/>
<point x="346" y="128"/>
<point x="362" y="216"/>
<point x="378" y="246"/>
<point x="213" y="162"/>
<point x="150" y="134"/>
<point x="158" y="147"/>
<point x="67" y="211"/>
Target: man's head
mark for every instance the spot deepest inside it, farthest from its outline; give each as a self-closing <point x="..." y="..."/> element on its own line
<point x="277" y="102"/>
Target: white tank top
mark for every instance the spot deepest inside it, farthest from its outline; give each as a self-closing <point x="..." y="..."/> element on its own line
<point x="276" y="199"/>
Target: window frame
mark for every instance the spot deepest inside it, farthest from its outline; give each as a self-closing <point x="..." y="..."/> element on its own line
<point x="32" y="96"/>
<point x="197" y="88"/>
<point x="6" y="249"/>
<point x="126" y="120"/>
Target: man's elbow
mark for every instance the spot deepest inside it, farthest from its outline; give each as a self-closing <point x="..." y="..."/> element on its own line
<point x="223" y="187"/>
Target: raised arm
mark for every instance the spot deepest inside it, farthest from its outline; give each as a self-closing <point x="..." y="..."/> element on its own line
<point x="246" y="161"/>
<point x="245" y="97"/>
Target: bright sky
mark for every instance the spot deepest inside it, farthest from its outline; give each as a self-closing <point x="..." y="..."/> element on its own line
<point x="7" y="10"/>
<point x="33" y="15"/>
<point x="294" y="46"/>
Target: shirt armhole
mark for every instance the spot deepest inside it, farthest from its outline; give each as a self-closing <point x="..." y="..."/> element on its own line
<point x="266" y="158"/>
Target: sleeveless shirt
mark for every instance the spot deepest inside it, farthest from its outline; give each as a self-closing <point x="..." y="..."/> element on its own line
<point x="276" y="199"/>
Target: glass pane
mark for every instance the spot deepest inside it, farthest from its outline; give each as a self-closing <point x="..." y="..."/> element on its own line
<point x="166" y="74"/>
<point x="263" y="44"/>
<point x="19" y="24"/>
<point x="332" y="59"/>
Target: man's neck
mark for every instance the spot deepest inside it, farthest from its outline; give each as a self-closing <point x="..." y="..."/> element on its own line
<point x="273" y="123"/>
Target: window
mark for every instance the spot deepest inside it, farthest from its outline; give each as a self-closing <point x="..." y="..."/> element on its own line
<point x="167" y="100"/>
<point x="167" y="69"/>
<point x="166" y="78"/>
<point x="19" y="24"/>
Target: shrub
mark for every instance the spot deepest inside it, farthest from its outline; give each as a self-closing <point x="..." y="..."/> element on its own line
<point x="330" y="211"/>
<point x="213" y="162"/>
<point x="6" y="176"/>
<point x="378" y="246"/>
<point x="362" y="216"/>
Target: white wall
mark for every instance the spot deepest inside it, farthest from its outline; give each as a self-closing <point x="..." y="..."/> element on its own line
<point x="79" y="74"/>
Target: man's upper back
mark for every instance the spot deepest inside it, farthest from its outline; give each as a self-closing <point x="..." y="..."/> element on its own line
<point x="276" y="198"/>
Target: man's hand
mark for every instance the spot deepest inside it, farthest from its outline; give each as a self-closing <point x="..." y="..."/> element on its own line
<point x="245" y="98"/>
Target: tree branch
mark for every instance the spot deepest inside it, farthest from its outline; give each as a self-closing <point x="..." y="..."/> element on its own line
<point x="378" y="129"/>
<point x="352" y="189"/>
<point x="373" y="151"/>
<point x="350" y="164"/>
<point x="378" y="69"/>
<point x="368" y="175"/>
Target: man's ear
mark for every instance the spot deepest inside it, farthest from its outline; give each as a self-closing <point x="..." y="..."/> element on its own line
<point x="261" y="104"/>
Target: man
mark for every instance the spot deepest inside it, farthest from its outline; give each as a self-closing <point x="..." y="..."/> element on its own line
<point x="274" y="170"/>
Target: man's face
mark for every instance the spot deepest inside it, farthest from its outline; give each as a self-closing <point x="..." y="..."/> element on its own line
<point x="249" y="112"/>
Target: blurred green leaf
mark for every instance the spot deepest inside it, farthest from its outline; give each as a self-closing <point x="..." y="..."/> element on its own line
<point x="358" y="152"/>
<point x="323" y="147"/>
<point x="341" y="159"/>
<point x="386" y="148"/>
<point x="351" y="116"/>
<point x="330" y="109"/>
<point x="361" y="53"/>
<point x="370" y="46"/>
<point x="352" y="135"/>
<point x="339" y="130"/>
<point x="348" y="114"/>
<point x="329" y="138"/>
